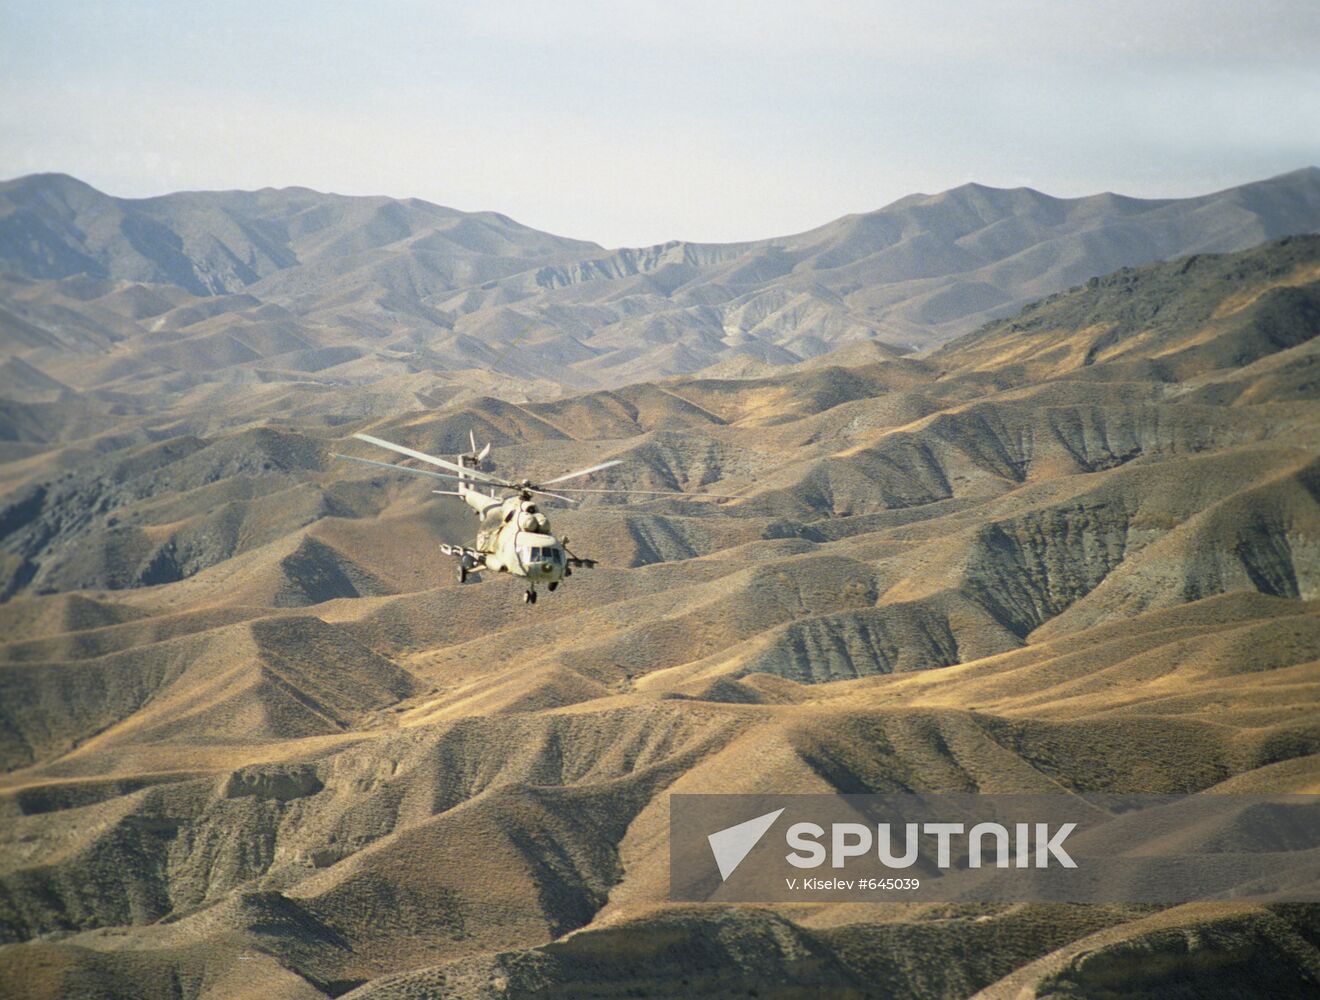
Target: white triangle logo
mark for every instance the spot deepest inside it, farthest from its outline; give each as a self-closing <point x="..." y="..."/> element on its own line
<point x="733" y="844"/>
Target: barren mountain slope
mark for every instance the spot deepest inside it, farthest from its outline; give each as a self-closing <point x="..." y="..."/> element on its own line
<point x="122" y="305"/>
<point x="257" y="738"/>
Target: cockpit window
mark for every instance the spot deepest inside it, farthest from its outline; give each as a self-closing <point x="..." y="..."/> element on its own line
<point x="538" y="553"/>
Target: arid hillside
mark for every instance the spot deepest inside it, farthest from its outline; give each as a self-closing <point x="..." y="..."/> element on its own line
<point x="257" y="740"/>
<point x="118" y="306"/>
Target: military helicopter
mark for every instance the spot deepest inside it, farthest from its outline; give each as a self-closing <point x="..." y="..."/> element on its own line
<point x="514" y="536"/>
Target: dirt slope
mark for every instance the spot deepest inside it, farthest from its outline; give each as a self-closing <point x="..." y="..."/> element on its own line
<point x="257" y="739"/>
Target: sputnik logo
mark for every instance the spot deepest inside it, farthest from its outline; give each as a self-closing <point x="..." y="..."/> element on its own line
<point x="734" y="843"/>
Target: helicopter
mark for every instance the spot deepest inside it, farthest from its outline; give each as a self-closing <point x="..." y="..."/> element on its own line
<point x="514" y="535"/>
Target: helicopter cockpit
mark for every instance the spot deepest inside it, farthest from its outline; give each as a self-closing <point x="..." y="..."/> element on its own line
<point x="541" y="552"/>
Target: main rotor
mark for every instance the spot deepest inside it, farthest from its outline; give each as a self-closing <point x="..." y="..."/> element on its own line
<point x="472" y="475"/>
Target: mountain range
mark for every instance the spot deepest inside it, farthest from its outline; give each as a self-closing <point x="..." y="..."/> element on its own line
<point x="257" y="739"/>
<point x="158" y="300"/>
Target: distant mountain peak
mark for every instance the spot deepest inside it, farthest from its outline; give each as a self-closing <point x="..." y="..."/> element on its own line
<point x="450" y="290"/>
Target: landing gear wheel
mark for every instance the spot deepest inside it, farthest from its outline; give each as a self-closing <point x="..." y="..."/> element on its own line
<point x="529" y="596"/>
<point x="553" y="585"/>
<point x="462" y="574"/>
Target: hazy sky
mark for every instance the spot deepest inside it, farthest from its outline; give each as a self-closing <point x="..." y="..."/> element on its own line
<point x="631" y="124"/>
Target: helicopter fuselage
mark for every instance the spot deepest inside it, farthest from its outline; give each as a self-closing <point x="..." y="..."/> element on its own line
<point x="515" y="537"/>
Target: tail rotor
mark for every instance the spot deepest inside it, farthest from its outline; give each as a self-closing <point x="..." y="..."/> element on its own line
<point x="474" y="459"/>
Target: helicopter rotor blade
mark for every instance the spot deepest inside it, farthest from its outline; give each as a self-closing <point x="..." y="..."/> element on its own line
<point x="393" y="467"/>
<point x="416" y="472"/>
<point x="444" y="475"/>
<point x="547" y="493"/>
<point x="422" y="456"/>
<point x="582" y="472"/>
<point x="655" y="493"/>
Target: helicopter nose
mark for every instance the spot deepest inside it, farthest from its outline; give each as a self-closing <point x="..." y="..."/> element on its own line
<point x="546" y="567"/>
